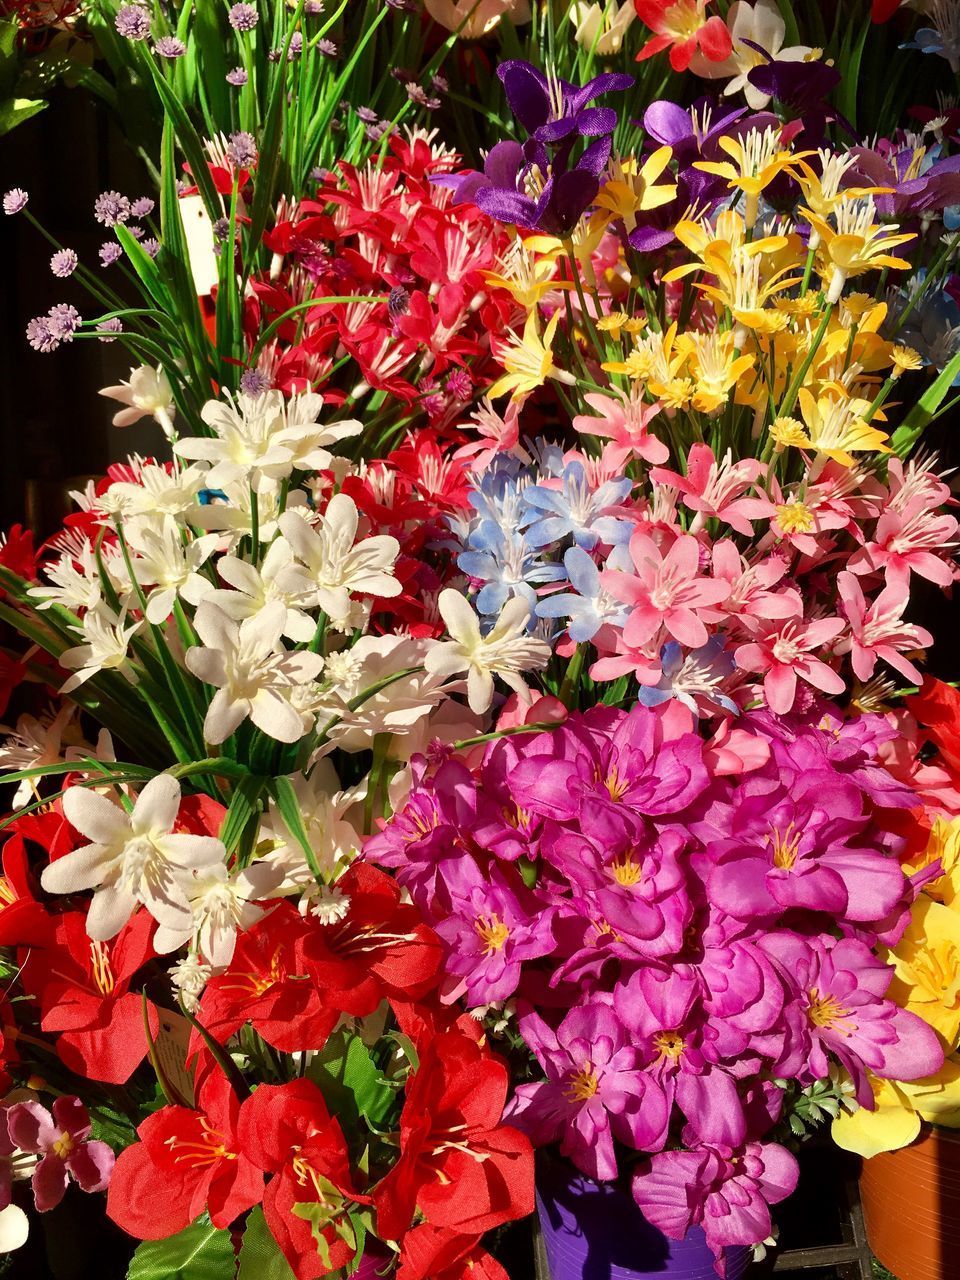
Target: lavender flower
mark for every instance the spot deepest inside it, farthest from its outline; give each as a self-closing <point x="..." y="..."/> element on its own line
<point x="296" y="45"/>
<point x="110" y="252"/>
<point x="221" y="228"/>
<point x="64" y="263"/>
<point x="64" y="320"/>
<point x="151" y="247"/>
<point x="254" y="383"/>
<point x="313" y="8"/>
<point x="327" y="47"/>
<point x="110" y="207"/>
<point x="459" y="384"/>
<point x="133" y="22"/>
<point x="169" y="47"/>
<point x="243" y="17"/>
<point x="142" y="207"/>
<point x="137" y="232"/>
<point x="237" y="77"/>
<point x="15" y="201"/>
<point x="366" y="115"/>
<point x="242" y="150"/>
<point x="398" y="302"/>
<point x="110" y="327"/>
<point x="40" y="335"/>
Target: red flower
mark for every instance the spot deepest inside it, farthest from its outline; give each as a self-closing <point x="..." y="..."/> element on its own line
<point x="459" y="1166"/>
<point x="17" y="552"/>
<point x="937" y="707"/>
<point x="186" y="1161"/>
<point x="883" y="10"/>
<point x="287" y="1130"/>
<point x="682" y="26"/>
<point x="380" y="949"/>
<point x="430" y="1254"/>
<point x="23" y="921"/>
<point x="83" y="989"/>
<point x="266" y="986"/>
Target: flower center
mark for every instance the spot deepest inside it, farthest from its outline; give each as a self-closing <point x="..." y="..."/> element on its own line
<point x="100" y="967"/>
<point x="794" y="517"/>
<point x="826" y="1012"/>
<point x="492" y="932"/>
<point x="786" y="846"/>
<point x="63" y="1145"/>
<point x="207" y="1148"/>
<point x="616" y="786"/>
<point x="626" y="871"/>
<point x="582" y="1084"/>
<point x="669" y="1044"/>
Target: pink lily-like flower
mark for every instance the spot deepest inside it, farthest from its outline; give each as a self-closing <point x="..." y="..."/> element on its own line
<point x="624" y="420"/>
<point x="751" y="586"/>
<point x="907" y="542"/>
<point x="499" y="436"/>
<point x="714" y="489"/>
<point x="61" y="1141"/>
<point x="665" y="591"/>
<point x="618" y="658"/>
<point x="878" y="631"/>
<point x="783" y="653"/>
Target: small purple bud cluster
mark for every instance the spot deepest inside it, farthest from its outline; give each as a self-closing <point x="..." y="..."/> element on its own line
<point x="46" y="333"/>
<point x="15" y="201"/>
<point x="133" y="22"/>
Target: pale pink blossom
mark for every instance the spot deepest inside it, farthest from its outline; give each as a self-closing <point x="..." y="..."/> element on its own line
<point x="908" y="541"/>
<point x="715" y="489"/>
<point x="624" y="419"/>
<point x="783" y="652"/>
<point x="877" y="630"/>
<point x="751" y="586"/>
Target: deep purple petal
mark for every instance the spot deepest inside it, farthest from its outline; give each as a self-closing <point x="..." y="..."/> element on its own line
<point x="527" y="93"/>
<point x="49" y="1182"/>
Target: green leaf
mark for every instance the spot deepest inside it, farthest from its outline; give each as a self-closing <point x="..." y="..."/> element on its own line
<point x="16" y="110"/>
<point x="242" y="810"/>
<point x="199" y="1252"/>
<point x="261" y="1258"/>
<point x="350" y="1080"/>
<point x="919" y="417"/>
<point x="286" y="798"/>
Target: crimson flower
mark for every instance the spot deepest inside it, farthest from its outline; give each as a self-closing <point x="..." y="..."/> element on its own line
<point x="287" y="1130"/>
<point x="23" y="921"/>
<point x="432" y="1254"/>
<point x="267" y="986"/>
<point x="83" y="989"/>
<point x="462" y="1169"/>
<point x="187" y="1161"/>
<point x="380" y="949"/>
<point x="682" y="26"/>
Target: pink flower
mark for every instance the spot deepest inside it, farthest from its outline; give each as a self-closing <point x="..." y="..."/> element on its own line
<point x="714" y="488"/>
<point x="624" y="421"/>
<point x="750" y="585"/>
<point x="618" y="658"/>
<point x="666" y="591"/>
<point x="877" y="630"/>
<point x="61" y="1140"/>
<point x="906" y="542"/>
<point x="783" y="651"/>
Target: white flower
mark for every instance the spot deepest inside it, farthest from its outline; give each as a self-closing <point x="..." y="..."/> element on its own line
<point x="106" y="641"/>
<point x="34" y="742"/>
<point x="156" y="490"/>
<point x="14" y="1228"/>
<point x="146" y="394"/>
<point x="601" y="28"/>
<point x="263" y="436"/>
<point x="507" y="650"/>
<point x="254" y="674"/>
<point x="232" y="515"/>
<point x="761" y="23"/>
<point x="253" y="588"/>
<point x="326" y="811"/>
<point x="329" y="904"/>
<point x="168" y="567"/>
<point x="220" y="906"/>
<point x="75" y="581"/>
<point x="334" y="563"/>
<point x="132" y="858"/>
<point x="190" y="975"/>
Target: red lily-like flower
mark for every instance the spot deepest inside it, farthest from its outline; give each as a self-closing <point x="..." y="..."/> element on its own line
<point x="459" y="1166"/>
<point x="287" y="1131"/>
<point x="937" y="707"/>
<point x="83" y="989"/>
<point x="17" y="552"/>
<point x="267" y="985"/>
<point x="186" y="1161"/>
<point x="380" y="949"/>
<point x="431" y="1254"/>
<point x="23" y="921"/>
<point x="682" y="26"/>
<point x="883" y="10"/>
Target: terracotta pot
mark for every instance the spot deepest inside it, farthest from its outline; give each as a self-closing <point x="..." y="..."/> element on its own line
<point x="911" y="1207"/>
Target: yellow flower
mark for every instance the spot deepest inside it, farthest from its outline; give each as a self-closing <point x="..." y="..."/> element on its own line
<point x="856" y="244"/>
<point x="655" y="359"/>
<point x="601" y="29"/>
<point x="632" y="189"/>
<point x="715" y="367"/>
<point x="900" y="1106"/>
<point x="823" y="190"/>
<point x="903" y="360"/>
<point x="836" y="429"/>
<point x="528" y="360"/>
<point x="758" y="158"/>
<point x="943" y="844"/>
<point x="787" y="432"/>
<point x="525" y="274"/>
<point x="926" y="963"/>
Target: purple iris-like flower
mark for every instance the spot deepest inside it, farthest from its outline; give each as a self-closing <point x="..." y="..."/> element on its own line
<point x="550" y="109"/>
<point x="911" y="189"/>
<point x="725" y="1190"/>
<point x="840" y="1009"/>
<point x="491" y="929"/>
<point x="596" y="1089"/>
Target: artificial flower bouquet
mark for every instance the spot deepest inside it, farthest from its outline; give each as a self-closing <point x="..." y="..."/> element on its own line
<point x="481" y="724"/>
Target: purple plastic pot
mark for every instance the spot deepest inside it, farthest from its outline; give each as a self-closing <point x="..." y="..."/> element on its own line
<point x="594" y="1231"/>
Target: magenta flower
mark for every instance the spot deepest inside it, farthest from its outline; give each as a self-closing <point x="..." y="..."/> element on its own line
<point x="840" y="1009"/>
<point x="595" y="1090"/>
<point x="491" y="929"/>
<point x="61" y="1140"/>
<point x="783" y="653"/>
<point x="726" y="1191"/>
<point x="664" y="591"/>
<point x="877" y="630"/>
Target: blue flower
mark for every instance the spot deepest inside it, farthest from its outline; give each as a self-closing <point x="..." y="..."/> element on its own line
<point x="575" y="511"/>
<point x="508" y="566"/>
<point x="930" y="40"/>
<point x="698" y="675"/>
<point x="933" y="328"/>
<point x="590" y="607"/>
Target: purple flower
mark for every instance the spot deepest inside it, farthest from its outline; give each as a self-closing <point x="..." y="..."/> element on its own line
<point x="522" y="185"/>
<point x="550" y="109"/>
<point x="254" y="383"/>
<point x="109" y="328"/>
<point x="840" y="1009"/>
<point x="575" y="510"/>
<point x="725" y="1190"/>
<point x="492" y="927"/>
<point x="169" y="47"/>
<point x="62" y="1142"/>
<point x="142" y="207"/>
<point x="133" y="22"/>
<point x="110" y="207"/>
<point x="243" y="17"/>
<point x="242" y="150"/>
<point x="596" y="1089"/>
<point x="15" y="201"/>
<point x="151" y="246"/>
<point x="40" y="336"/>
<point x="64" y="321"/>
<point x="237" y="77"/>
<point x="64" y="263"/>
<point x="110" y="252"/>
<point x="327" y="47"/>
